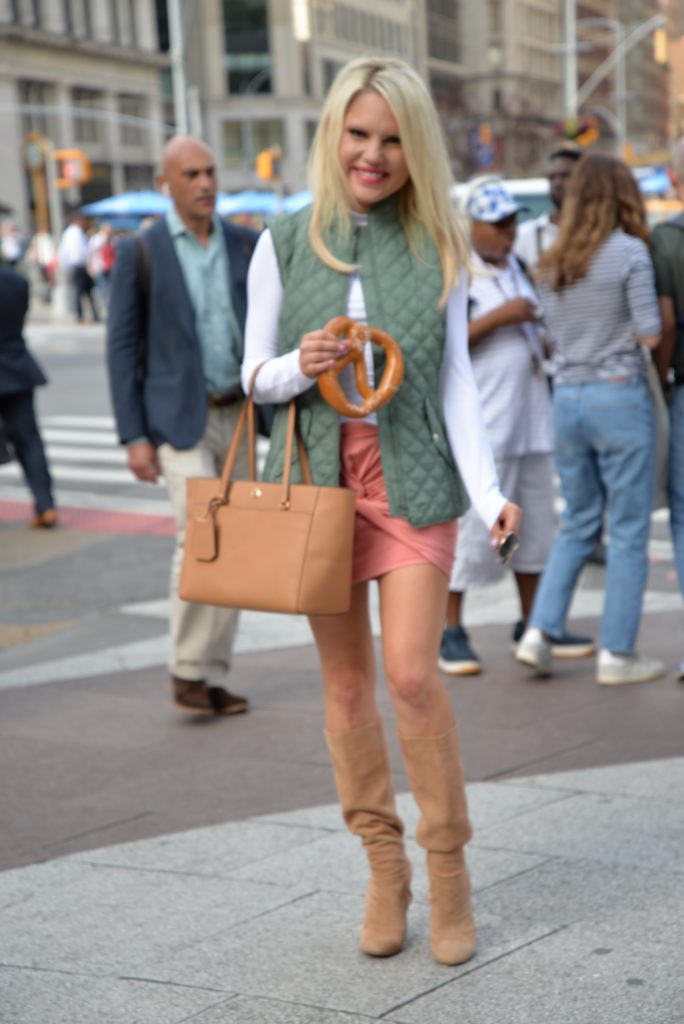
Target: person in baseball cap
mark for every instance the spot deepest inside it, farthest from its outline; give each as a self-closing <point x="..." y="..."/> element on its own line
<point x="507" y="355"/>
<point x="491" y="202"/>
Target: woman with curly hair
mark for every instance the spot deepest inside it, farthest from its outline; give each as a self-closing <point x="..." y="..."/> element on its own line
<point x="597" y="285"/>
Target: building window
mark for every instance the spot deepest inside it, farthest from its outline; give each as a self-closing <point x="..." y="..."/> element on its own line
<point x="330" y="69"/>
<point x="114" y="25"/>
<point x="77" y="18"/>
<point x="247" y="55"/>
<point x="130" y="107"/>
<point x="138" y="177"/>
<point x="36" y="100"/>
<point x="87" y="124"/>
<point x="267" y="134"/>
<point x="10" y="12"/>
<point x="311" y="127"/>
<point x="233" y="146"/>
<point x="131" y="24"/>
<point x="26" y="12"/>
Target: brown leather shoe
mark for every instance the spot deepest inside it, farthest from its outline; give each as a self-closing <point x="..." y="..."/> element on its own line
<point x="196" y="698"/>
<point x="45" y="520"/>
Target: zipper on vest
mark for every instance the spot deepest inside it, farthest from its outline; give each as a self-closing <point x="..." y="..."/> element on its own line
<point x="398" y="475"/>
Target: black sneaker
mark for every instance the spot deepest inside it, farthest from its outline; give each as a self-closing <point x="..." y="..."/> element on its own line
<point x="456" y="656"/>
<point x="567" y="645"/>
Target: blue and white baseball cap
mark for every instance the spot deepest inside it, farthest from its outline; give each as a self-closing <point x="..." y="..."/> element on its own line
<point x="492" y="202"/>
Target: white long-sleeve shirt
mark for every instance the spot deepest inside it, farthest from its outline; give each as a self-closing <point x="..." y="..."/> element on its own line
<point x="281" y="378"/>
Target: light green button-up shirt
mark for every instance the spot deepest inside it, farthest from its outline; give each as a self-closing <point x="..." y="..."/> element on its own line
<point x="206" y="270"/>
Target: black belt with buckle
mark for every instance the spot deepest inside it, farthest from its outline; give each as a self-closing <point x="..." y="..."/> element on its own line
<point x="226" y="398"/>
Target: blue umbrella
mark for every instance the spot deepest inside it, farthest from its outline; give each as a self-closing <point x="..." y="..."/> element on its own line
<point x="250" y="201"/>
<point x="291" y="204"/>
<point x="657" y="181"/>
<point x="129" y="204"/>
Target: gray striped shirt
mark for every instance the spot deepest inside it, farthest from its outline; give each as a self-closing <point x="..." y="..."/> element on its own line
<point x="596" y="323"/>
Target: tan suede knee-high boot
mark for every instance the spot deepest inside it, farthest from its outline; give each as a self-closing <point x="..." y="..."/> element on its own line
<point x="433" y="766"/>
<point x="362" y="774"/>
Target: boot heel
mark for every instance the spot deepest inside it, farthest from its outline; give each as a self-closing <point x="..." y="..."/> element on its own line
<point x="452" y="927"/>
<point x="384" y="924"/>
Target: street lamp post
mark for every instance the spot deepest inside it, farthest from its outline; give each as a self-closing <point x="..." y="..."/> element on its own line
<point x="180" y="90"/>
<point x="249" y="90"/>
<point x="574" y="97"/>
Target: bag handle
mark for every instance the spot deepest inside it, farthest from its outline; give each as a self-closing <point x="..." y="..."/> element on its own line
<point x="247" y="415"/>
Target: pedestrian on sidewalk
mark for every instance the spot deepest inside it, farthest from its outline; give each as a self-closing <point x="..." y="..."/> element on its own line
<point x="537" y="235"/>
<point x="175" y="342"/>
<point x="381" y="244"/>
<point x="72" y="255"/>
<point x="506" y="339"/>
<point x="20" y="374"/>
<point x="597" y="286"/>
<point x="668" y="256"/>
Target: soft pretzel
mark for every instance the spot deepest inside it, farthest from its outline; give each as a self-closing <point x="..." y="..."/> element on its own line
<point x="358" y="334"/>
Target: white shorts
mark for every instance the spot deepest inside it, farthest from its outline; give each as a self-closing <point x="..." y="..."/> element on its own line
<point x="528" y="481"/>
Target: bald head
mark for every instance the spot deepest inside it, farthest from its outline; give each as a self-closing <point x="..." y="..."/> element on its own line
<point x="181" y="148"/>
<point x="189" y="173"/>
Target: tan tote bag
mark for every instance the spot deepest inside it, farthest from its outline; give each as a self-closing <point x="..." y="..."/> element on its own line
<point x="273" y="547"/>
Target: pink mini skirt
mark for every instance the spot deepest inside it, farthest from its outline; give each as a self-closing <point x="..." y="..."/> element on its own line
<point x="383" y="542"/>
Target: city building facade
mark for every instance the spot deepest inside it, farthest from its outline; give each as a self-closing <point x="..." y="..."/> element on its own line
<point x="96" y="75"/>
<point x="78" y="75"/>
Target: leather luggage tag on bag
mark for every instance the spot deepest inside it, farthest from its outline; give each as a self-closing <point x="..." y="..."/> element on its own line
<point x="204" y="538"/>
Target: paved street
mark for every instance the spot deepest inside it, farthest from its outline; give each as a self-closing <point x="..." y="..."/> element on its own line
<point x="154" y="868"/>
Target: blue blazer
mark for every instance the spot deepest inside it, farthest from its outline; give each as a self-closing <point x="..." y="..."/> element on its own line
<point x="18" y="369"/>
<point x="163" y="396"/>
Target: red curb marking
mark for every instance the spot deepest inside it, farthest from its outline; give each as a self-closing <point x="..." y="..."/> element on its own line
<point x="94" y="520"/>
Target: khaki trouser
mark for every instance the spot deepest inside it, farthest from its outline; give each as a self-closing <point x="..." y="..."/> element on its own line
<point x="201" y="635"/>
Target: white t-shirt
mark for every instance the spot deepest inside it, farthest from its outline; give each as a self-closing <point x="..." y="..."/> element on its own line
<point x="73" y="248"/>
<point x="533" y="238"/>
<point x="506" y="363"/>
<point x="281" y="379"/>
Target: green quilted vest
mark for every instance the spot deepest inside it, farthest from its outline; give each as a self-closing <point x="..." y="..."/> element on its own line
<point x="401" y="294"/>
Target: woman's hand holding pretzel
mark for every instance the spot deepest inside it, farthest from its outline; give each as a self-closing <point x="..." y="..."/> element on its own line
<point x="319" y="350"/>
<point x="326" y="358"/>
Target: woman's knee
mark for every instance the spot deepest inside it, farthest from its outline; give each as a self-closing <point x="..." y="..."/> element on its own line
<point x="348" y="686"/>
<point x="412" y="686"/>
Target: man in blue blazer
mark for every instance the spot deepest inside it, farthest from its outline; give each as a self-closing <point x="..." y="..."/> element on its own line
<point x="175" y="339"/>
<point x="19" y="375"/>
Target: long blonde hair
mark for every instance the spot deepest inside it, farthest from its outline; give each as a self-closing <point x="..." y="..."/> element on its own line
<point x="601" y="197"/>
<point x="424" y="203"/>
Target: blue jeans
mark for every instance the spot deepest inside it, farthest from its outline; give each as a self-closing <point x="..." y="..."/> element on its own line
<point x="605" y="441"/>
<point x="676" y="480"/>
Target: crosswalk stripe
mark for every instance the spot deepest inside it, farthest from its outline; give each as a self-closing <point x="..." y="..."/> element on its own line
<point x="91" y="422"/>
<point x="63" y="453"/>
<point x="61" y="473"/>
<point x="103" y="438"/>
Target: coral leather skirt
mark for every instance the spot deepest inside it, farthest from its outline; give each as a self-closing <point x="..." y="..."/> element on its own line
<point x="383" y="542"/>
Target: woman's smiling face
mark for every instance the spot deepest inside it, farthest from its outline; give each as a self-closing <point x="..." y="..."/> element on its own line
<point x="370" y="151"/>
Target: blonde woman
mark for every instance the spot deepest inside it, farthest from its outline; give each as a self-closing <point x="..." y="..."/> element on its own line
<point x="598" y="289"/>
<point x="380" y="245"/>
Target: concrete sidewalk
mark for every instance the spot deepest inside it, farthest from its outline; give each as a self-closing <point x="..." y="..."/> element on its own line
<point x="161" y="871"/>
<point x="579" y="898"/>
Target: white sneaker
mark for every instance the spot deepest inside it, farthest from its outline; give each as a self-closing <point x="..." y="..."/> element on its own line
<point x="535" y="650"/>
<point x="614" y="669"/>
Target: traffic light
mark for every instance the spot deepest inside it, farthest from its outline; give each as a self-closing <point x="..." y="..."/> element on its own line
<point x="73" y="167"/>
<point x="268" y="164"/>
<point x="588" y="132"/>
